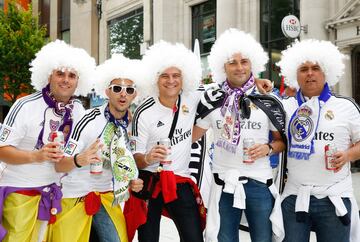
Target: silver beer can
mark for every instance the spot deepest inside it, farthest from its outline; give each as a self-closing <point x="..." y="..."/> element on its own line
<point x="167" y="143"/>
<point x="97" y="167"/>
<point x="247" y="143"/>
<point x="330" y="150"/>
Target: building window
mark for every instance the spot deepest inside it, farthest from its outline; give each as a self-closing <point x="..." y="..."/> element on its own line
<point x="271" y="37"/>
<point x="64" y="20"/>
<point x="44" y="19"/>
<point x="126" y="34"/>
<point x="204" y="25"/>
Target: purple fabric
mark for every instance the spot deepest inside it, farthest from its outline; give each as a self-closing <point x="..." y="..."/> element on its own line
<point x="234" y="107"/>
<point x="60" y="108"/>
<point x="50" y="198"/>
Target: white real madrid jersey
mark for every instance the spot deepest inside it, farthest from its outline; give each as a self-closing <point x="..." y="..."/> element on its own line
<point x="257" y="127"/>
<point x="152" y="122"/>
<point x="21" y="129"/>
<point x="80" y="181"/>
<point x="338" y="125"/>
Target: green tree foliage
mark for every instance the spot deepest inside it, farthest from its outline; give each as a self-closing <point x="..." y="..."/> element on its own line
<point x="126" y="35"/>
<point x="20" y="39"/>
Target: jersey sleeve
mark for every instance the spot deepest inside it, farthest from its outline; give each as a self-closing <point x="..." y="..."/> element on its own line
<point x="79" y="138"/>
<point x="13" y="129"/>
<point x="354" y="123"/>
<point x="140" y="134"/>
<point x="204" y="123"/>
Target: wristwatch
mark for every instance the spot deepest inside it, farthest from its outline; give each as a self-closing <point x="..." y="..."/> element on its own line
<point x="270" y="149"/>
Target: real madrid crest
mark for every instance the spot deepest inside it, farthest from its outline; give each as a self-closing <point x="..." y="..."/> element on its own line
<point x="185" y="109"/>
<point x="302" y="125"/>
<point x="329" y="115"/>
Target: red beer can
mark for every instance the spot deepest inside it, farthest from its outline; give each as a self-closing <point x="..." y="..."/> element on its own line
<point x="330" y="150"/>
<point x="58" y="136"/>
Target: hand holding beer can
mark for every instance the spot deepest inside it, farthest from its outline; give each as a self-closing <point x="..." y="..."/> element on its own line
<point x="330" y="150"/>
<point x="58" y="137"/>
<point x="167" y="143"/>
<point x="97" y="167"/>
<point x="247" y="143"/>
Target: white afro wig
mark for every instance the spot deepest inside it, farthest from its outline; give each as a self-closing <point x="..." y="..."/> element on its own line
<point x="324" y="53"/>
<point x="59" y="55"/>
<point x="118" y="67"/>
<point x="163" y="55"/>
<point x="231" y="42"/>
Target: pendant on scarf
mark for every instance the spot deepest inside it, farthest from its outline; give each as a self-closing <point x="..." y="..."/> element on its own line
<point x="105" y="139"/>
<point x="329" y="115"/>
<point x="123" y="168"/>
<point x="302" y="125"/>
<point x="227" y="127"/>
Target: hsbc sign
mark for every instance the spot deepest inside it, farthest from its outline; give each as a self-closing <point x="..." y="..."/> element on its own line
<point x="290" y="26"/>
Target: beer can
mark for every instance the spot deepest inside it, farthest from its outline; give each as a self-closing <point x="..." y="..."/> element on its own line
<point x="167" y="143"/>
<point x="330" y="150"/>
<point x="58" y="136"/>
<point x="97" y="167"/>
<point x="247" y="143"/>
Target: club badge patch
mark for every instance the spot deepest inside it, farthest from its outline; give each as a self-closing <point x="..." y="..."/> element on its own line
<point x="185" y="109"/>
<point x="329" y="115"/>
<point x="4" y="134"/>
<point x="302" y="125"/>
<point x="70" y="148"/>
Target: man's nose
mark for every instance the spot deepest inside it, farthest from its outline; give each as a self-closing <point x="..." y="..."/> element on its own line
<point x="239" y="66"/>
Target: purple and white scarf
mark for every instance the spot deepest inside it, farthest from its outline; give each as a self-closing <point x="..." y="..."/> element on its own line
<point x="60" y="108"/>
<point x="231" y="112"/>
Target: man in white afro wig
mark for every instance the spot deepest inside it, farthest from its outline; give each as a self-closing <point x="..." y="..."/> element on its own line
<point x="58" y="55"/>
<point x="323" y="139"/>
<point x="104" y="126"/>
<point x="165" y="121"/>
<point x="233" y="41"/>
<point x="35" y="129"/>
<point x="241" y="119"/>
<point x="324" y="53"/>
<point x="163" y="55"/>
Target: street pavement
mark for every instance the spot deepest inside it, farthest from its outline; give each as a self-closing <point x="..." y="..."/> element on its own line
<point x="168" y="232"/>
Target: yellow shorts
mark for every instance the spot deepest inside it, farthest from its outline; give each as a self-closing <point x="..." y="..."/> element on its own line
<point x="20" y="218"/>
<point x="74" y="225"/>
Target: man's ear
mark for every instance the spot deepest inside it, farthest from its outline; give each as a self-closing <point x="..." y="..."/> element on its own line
<point x="107" y="92"/>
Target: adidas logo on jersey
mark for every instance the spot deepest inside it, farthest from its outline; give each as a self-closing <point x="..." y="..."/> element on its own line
<point x="159" y="124"/>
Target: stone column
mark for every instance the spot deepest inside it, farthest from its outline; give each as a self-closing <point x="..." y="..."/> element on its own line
<point x="314" y="14"/>
<point x="54" y="12"/>
<point x="344" y="87"/>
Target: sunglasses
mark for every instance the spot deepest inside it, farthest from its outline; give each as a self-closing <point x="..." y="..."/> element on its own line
<point x="119" y="88"/>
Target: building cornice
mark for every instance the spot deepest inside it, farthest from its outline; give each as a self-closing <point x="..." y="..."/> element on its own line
<point x="342" y="17"/>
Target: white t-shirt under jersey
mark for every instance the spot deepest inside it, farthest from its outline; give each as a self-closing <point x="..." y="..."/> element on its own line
<point x="21" y="129"/>
<point x="257" y="127"/>
<point x="339" y="124"/>
<point x="152" y="121"/>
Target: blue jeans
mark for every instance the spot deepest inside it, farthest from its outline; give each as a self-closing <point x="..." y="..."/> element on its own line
<point x="322" y="220"/>
<point x="183" y="211"/>
<point x="259" y="204"/>
<point x="104" y="227"/>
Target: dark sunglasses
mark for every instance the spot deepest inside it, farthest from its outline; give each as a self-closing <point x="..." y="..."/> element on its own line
<point x="119" y="88"/>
